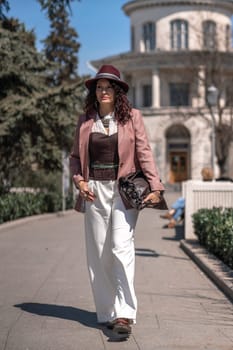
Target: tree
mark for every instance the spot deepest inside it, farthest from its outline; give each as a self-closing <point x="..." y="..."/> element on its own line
<point x="35" y="120"/>
<point x="61" y="47"/>
<point x="210" y="63"/>
<point x="4" y="6"/>
<point x="51" y="6"/>
<point x="215" y="59"/>
<point x="218" y="72"/>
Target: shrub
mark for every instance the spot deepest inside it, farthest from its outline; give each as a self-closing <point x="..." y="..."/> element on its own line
<point x="18" y="205"/>
<point x="214" y="229"/>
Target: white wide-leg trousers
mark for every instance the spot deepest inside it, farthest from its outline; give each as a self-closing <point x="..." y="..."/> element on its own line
<point x="109" y="229"/>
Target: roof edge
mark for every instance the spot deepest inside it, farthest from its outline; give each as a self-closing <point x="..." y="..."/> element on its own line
<point x="134" y="5"/>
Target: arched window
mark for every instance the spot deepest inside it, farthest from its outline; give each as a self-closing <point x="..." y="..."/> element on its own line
<point x="179" y="34"/>
<point x="149" y="36"/>
<point x="209" y="35"/>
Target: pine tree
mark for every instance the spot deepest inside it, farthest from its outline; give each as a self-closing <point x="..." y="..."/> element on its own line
<point x="36" y="121"/>
<point x="61" y="47"/>
<point x="4" y="6"/>
<point x="51" y="6"/>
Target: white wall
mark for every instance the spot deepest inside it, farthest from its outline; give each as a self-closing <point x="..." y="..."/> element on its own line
<point x="162" y="16"/>
<point x="199" y="143"/>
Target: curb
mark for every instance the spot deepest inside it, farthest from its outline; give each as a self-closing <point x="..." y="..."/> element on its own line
<point x="215" y="269"/>
<point x="25" y="220"/>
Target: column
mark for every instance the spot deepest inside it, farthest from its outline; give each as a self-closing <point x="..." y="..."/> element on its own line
<point x="200" y="88"/>
<point x="155" y="89"/>
<point x="138" y="96"/>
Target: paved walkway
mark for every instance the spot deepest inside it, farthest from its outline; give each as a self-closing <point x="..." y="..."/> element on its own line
<point x="46" y="301"/>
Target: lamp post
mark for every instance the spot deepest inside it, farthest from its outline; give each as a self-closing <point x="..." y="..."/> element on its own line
<point x="212" y="98"/>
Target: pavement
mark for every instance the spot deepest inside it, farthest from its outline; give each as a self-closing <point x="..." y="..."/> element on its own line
<point x="46" y="301"/>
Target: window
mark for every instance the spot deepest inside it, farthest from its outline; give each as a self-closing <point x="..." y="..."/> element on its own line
<point x="179" y="34"/>
<point x="179" y="94"/>
<point x="228" y="37"/>
<point x="132" y="39"/>
<point x="133" y="94"/>
<point x="149" y="36"/>
<point x="147" y="95"/>
<point x="229" y="94"/>
<point x="209" y="35"/>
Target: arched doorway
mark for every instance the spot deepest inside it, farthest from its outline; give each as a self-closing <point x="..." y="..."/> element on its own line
<point x="178" y="153"/>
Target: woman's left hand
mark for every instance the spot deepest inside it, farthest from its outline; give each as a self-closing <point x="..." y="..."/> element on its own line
<point x="152" y="197"/>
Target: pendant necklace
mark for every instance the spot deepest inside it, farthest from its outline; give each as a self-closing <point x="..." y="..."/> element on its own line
<point x="106" y="120"/>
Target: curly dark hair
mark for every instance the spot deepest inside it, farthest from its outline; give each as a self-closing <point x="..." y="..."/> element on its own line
<point x="123" y="107"/>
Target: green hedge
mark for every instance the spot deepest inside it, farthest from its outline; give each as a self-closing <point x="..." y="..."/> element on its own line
<point x="18" y="205"/>
<point x="214" y="229"/>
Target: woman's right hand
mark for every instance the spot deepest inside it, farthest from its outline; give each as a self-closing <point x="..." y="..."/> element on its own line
<point x="83" y="189"/>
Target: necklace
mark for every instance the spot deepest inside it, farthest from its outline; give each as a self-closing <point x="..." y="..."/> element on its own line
<point x="106" y="119"/>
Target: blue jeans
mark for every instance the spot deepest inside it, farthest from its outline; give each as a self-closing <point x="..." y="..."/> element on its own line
<point x="179" y="206"/>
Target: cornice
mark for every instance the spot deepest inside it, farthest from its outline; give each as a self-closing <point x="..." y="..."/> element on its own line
<point x="132" y="61"/>
<point x="134" y="5"/>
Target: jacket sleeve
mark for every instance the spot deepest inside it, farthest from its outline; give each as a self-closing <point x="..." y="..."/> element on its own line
<point x="144" y="154"/>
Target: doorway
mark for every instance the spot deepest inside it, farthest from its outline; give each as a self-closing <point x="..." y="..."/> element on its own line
<point x="178" y="166"/>
<point x="178" y="153"/>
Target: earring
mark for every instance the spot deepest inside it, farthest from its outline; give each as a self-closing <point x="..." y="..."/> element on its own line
<point x="96" y="104"/>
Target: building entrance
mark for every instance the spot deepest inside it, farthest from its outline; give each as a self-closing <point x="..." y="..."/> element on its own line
<point x="178" y="166"/>
<point x="178" y="153"/>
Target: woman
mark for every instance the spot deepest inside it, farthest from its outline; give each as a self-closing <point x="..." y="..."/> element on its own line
<point x="110" y="142"/>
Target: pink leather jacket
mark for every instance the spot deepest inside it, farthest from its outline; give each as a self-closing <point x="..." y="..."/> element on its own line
<point x="133" y="149"/>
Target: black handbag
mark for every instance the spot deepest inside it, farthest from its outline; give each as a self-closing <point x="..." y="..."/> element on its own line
<point x="134" y="188"/>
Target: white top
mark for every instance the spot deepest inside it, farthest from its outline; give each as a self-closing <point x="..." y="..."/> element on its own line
<point x="98" y="125"/>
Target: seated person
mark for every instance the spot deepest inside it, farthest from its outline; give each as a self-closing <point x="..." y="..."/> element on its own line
<point x="176" y="213"/>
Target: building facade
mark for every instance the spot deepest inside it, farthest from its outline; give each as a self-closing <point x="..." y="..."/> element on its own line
<point x="178" y="49"/>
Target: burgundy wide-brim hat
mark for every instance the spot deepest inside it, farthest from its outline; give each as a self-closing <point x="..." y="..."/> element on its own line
<point x="108" y="72"/>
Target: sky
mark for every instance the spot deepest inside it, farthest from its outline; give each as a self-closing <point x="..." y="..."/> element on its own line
<point x="102" y="26"/>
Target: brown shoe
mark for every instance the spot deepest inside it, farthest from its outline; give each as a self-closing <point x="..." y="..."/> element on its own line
<point x="122" y="326"/>
<point x="171" y="224"/>
<point x="109" y="325"/>
<point x="166" y="216"/>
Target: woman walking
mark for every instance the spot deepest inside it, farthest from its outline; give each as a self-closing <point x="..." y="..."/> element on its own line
<point x="110" y="142"/>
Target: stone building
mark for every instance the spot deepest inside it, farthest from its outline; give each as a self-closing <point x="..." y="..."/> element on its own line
<point x="179" y="48"/>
